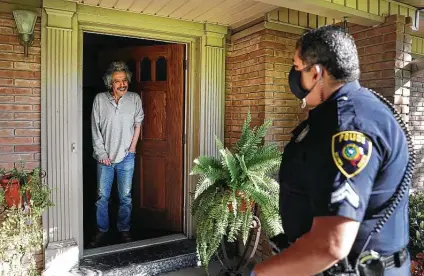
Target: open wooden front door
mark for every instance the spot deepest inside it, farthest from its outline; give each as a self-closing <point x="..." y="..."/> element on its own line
<point x="158" y="76"/>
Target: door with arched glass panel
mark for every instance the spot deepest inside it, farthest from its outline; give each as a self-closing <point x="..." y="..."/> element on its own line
<point x="158" y="76"/>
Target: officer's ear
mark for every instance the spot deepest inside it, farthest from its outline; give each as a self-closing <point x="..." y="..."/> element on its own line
<point x="319" y="71"/>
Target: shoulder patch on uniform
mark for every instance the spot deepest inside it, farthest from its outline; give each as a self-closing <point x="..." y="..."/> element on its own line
<point x="351" y="151"/>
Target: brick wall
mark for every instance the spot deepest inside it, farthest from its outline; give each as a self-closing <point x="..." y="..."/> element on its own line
<point x="416" y="123"/>
<point x="19" y="97"/>
<point x="19" y="101"/>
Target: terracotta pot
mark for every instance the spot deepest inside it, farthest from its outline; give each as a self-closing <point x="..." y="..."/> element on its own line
<point x="243" y="207"/>
<point x="12" y="191"/>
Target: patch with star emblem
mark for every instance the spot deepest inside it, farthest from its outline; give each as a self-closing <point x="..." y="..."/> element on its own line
<point x="351" y="152"/>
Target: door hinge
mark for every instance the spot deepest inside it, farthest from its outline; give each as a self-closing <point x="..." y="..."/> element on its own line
<point x="184" y="139"/>
<point x="185" y="64"/>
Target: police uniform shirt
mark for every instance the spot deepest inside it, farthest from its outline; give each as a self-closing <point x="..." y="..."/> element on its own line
<point x="346" y="159"/>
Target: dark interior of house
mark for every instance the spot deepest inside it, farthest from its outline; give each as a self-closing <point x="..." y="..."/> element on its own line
<point x="93" y="84"/>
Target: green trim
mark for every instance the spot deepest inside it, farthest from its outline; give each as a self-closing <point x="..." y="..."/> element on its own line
<point x="417" y="45"/>
<point x="106" y="17"/>
<point x="307" y="13"/>
<point x="60" y="5"/>
<point x="59" y="19"/>
<point x="285" y="27"/>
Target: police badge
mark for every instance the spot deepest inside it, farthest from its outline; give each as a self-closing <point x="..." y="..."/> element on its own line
<point x="351" y="151"/>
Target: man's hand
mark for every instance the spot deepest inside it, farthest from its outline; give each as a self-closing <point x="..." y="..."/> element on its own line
<point x="134" y="141"/>
<point x="105" y="161"/>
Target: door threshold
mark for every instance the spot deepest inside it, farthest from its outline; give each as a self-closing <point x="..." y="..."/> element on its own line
<point x="132" y="245"/>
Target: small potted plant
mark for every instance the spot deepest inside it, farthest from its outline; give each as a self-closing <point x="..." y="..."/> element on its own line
<point x="232" y="187"/>
<point x="12" y="182"/>
<point x="21" y="230"/>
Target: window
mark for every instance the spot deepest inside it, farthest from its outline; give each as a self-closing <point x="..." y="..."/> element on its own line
<point x="161" y="69"/>
<point x="145" y="70"/>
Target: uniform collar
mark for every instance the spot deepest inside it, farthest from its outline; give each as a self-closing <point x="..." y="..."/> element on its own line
<point x="346" y="88"/>
<point x="342" y="91"/>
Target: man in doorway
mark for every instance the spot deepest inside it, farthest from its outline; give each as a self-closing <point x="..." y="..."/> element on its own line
<point x="115" y="124"/>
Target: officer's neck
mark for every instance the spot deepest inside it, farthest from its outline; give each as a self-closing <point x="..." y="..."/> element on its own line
<point x="330" y="87"/>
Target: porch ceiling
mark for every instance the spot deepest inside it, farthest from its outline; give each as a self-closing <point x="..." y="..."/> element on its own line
<point x="232" y="13"/>
<point x="414" y="3"/>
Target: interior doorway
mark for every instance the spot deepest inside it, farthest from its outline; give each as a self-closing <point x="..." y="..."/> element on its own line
<point x="158" y="76"/>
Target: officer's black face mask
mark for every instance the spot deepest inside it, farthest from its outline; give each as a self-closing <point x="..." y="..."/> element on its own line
<point x="295" y="82"/>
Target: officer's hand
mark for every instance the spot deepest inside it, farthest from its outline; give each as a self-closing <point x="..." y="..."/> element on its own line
<point x="105" y="161"/>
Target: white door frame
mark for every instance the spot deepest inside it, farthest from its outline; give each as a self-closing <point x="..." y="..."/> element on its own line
<point x="63" y="24"/>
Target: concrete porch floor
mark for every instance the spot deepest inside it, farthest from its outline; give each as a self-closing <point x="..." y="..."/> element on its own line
<point x="214" y="270"/>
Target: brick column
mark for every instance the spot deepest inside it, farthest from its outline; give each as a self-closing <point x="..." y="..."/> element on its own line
<point x="257" y="77"/>
<point x="385" y="52"/>
<point x="245" y="84"/>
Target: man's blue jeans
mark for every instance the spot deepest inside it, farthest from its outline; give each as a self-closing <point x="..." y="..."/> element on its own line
<point x="105" y="175"/>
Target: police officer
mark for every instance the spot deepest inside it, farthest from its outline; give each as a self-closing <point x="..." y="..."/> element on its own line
<point x="340" y="169"/>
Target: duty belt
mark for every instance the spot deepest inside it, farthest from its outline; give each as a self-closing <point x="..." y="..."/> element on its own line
<point x="395" y="260"/>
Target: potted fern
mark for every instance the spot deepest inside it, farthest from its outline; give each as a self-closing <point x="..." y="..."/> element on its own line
<point x="231" y="185"/>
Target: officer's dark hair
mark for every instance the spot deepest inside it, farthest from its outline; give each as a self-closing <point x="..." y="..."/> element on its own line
<point x="332" y="48"/>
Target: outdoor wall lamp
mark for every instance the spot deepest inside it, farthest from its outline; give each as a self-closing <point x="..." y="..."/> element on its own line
<point x="25" y="22"/>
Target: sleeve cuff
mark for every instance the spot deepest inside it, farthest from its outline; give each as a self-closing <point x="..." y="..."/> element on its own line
<point x="342" y="210"/>
<point x="101" y="156"/>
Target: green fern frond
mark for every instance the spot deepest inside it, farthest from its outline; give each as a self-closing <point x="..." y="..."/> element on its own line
<point x="265" y="183"/>
<point x="201" y="204"/>
<point x="203" y="164"/>
<point x="251" y="143"/>
<point x="203" y="185"/>
<point x="266" y="153"/>
<point x="234" y="226"/>
<point x="244" y="132"/>
<point x="263" y="129"/>
<point x="271" y="222"/>
<point x="247" y="222"/>
<point x="208" y="179"/>
<point x="219" y="143"/>
<point x="229" y="162"/>
<point x="263" y="198"/>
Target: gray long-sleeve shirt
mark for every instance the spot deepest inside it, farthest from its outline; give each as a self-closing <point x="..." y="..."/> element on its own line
<point x="112" y="125"/>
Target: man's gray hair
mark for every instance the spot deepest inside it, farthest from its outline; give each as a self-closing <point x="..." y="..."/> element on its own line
<point x="116" y="66"/>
